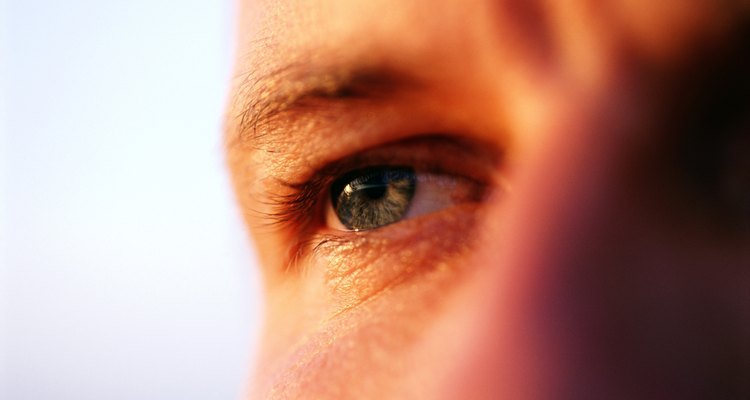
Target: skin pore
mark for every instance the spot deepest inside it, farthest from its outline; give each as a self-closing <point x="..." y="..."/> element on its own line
<point x="578" y="220"/>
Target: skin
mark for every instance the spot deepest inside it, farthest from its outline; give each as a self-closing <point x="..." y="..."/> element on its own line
<point x="609" y="254"/>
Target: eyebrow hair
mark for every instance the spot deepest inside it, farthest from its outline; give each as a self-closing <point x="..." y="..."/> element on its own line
<point x="293" y="85"/>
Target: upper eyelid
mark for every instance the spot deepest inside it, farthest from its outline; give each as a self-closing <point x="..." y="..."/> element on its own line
<point x="417" y="151"/>
<point x="302" y="201"/>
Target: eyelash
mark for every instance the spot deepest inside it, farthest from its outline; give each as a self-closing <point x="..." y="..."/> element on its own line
<point x="298" y="208"/>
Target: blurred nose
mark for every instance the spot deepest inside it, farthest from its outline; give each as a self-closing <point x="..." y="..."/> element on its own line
<point x="580" y="292"/>
<point x="551" y="241"/>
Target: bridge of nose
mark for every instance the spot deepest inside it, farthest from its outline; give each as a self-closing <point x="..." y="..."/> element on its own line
<point x="576" y="279"/>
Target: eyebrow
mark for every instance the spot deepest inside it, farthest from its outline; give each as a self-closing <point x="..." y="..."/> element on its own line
<point x="294" y="85"/>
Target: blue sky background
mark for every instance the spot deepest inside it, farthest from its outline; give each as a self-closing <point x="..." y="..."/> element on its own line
<point x="127" y="273"/>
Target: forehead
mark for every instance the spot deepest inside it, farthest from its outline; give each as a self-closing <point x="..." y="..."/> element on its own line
<point x="506" y="44"/>
<point x="274" y="34"/>
<point x="502" y="43"/>
<point x="288" y="28"/>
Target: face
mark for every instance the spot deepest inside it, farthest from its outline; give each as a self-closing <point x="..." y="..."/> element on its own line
<point x="497" y="199"/>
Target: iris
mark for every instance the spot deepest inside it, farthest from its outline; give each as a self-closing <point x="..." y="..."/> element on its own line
<point x="371" y="198"/>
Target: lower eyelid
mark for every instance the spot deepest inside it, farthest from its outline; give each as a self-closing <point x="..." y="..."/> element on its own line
<point x="358" y="265"/>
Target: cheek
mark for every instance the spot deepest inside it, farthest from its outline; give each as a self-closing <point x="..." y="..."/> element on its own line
<point x="363" y="353"/>
<point x="345" y="327"/>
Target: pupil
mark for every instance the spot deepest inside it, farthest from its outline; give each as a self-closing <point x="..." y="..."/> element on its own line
<point x="375" y="188"/>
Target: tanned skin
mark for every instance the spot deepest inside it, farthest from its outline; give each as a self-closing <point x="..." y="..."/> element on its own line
<point x="580" y="227"/>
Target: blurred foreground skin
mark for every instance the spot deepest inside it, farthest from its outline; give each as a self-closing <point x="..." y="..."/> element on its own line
<point x="608" y="254"/>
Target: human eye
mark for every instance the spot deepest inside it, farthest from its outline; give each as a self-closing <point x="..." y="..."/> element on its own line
<point x="383" y="191"/>
<point x="376" y="188"/>
<point x="383" y="219"/>
<point x="377" y="196"/>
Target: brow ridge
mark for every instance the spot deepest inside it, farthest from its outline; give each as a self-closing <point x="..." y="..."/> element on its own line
<point x="293" y="85"/>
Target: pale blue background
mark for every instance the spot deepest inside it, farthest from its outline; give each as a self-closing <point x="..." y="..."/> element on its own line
<point x="126" y="271"/>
